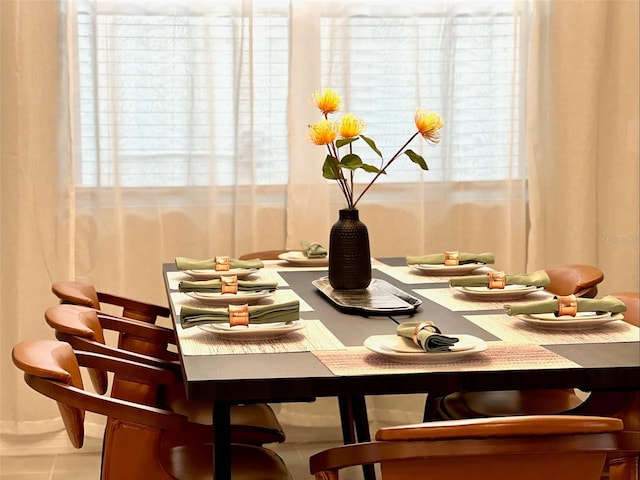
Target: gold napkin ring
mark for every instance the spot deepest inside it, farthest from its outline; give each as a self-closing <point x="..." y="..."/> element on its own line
<point x="223" y="264"/>
<point x="497" y="280"/>
<point x="239" y="315"/>
<point x="229" y="283"/>
<point x="567" y="305"/>
<point x="422" y="326"/>
<point x="451" y="258"/>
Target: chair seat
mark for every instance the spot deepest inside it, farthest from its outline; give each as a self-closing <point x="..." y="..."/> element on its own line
<point x="508" y="402"/>
<point x="248" y="462"/>
<point x="251" y="423"/>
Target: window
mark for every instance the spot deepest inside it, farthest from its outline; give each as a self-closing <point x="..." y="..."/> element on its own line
<point x="194" y="98"/>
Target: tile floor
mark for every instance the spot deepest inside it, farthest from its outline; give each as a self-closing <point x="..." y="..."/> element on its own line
<point x="85" y="464"/>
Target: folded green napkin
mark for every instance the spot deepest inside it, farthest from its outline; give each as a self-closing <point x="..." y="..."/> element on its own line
<point x="538" y="278"/>
<point x="604" y="304"/>
<point x="206" y="286"/>
<point x="184" y="263"/>
<point x="430" y="338"/>
<point x="277" y="312"/>
<point x="313" y="249"/>
<point x="438" y="258"/>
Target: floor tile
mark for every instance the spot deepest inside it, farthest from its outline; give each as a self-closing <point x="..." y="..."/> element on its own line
<point x="26" y="467"/>
<point x="78" y="466"/>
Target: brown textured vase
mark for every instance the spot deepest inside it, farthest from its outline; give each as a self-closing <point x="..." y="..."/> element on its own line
<point x="349" y="252"/>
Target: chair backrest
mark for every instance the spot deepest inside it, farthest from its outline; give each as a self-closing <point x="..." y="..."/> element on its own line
<point x="54" y="361"/>
<point x="84" y="329"/>
<point x="506" y="448"/>
<point x="139" y="441"/>
<point x="133" y="433"/>
<point x="632" y="301"/>
<point x="574" y="279"/>
<point x="78" y="293"/>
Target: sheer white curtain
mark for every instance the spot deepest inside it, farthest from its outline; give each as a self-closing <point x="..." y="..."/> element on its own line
<point x="583" y="138"/>
<point x="180" y="130"/>
<point x="144" y="131"/>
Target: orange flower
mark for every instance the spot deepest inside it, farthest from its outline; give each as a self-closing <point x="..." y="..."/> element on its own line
<point x="327" y="100"/>
<point x="351" y="126"/>
<point x="323" y="132"/>
<point x="429" y="125"/>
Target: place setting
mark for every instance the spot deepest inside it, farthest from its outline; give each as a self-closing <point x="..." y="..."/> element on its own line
<point x="245" y="322"/>
<point x="568" y="312"/>
<point x="500" y="286"/>
<point x="423" y="342"/>
<point x="449" y="263"/>
<point x="228" y="290"/>
<point x="439" y="267"/>
<point x="216" y="267"/>
<point x="311" y="254"/>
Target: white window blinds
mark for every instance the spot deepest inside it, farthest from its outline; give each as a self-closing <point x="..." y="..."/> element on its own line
<point x="198" y="95"/>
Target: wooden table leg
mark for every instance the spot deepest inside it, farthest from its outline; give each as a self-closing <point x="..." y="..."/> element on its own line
<point x="222" y="440"/>
<point x="355" y="426"/>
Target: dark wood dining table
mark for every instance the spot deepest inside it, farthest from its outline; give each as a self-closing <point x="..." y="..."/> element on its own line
<point x="605" y="359"/>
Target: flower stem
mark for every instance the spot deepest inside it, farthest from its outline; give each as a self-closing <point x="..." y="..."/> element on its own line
<point x="396" y="155"/>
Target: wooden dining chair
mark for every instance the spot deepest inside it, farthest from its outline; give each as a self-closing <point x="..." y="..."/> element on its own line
<point x="529" y="447"/>
<point x="139" y="441"/>
<point x="576" y="279"/>
<point x="530" y="402"/>
<point x="78" y="293"/>
<point x="84" y="329"/>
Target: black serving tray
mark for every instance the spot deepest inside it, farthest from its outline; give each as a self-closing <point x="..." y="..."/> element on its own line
<point x="379" y="298"/>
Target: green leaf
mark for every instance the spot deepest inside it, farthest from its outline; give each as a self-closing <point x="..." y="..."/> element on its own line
<point x="329" y="169"/>
<point x="370" y="168"/>
<point x="351" y="161"/>
<point x="371" y="144"/>
<point x="415" y="158"/>
<point x="341" y="142"/>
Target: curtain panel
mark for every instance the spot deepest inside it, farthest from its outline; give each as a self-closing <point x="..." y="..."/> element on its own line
<point x="132" y="135"/>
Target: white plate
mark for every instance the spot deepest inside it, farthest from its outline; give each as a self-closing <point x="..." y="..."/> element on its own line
<point x="566" y="322"/>
<point x="384" y="344"/>
<point x="211" y="274"/>
<point x="579" y="315"/>
<point x="217" y="298"/>
<point x="299" y="259"/>
<point x="442" y="269"/>
<point x="265" y="331"/>
<point x="509" y="292"/>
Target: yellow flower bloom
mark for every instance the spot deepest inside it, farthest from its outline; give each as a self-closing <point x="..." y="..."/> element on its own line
<point x="429" y="125"/>
<point x="323" y="132"/>
<point x="351" y="126"/>
<point x="327" y="100"/>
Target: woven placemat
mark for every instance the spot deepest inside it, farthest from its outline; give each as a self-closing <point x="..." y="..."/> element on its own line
<point x="498" y="356"/>
<point x="511" y="329"/>
<point x="412" y="276"/>
<point x="314" y="336"/>
<point x="459" y="302"/>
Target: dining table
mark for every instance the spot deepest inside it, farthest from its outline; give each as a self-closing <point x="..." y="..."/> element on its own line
<point x="331" y="354"/>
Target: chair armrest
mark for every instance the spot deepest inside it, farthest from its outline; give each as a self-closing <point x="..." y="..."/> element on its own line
<point x="127" y="368"/>
<point x="136" y="328"/>
<point x="145" y="312"/>
<point x="112" y="407"/>
<point x="88" y="345"/>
